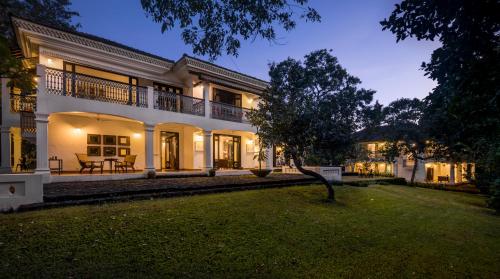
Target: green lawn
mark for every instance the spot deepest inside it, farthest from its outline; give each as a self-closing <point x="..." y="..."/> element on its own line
<point x="380" y="231"/>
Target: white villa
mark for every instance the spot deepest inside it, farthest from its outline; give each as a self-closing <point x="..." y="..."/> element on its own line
<point x="428" y="171"/>
<point x="98" y="103"/>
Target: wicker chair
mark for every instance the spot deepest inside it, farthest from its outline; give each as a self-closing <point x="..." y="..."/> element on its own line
<point x="128" y="162"/>
<point x="85" y="163"/>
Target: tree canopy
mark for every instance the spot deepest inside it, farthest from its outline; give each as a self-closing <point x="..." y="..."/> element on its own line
<point x="462" y="112"/>
<point x="311" y="108"/>
<point x="50" y="12"/>
<point x="212" y="27"/>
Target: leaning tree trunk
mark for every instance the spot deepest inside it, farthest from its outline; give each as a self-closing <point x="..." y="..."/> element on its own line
<point x="328" y="185"/>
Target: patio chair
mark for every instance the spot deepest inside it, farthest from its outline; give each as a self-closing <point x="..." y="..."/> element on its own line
<point x="22" y="163"/>
<point x="85" y="163"/>
<point x="128" y="162"/>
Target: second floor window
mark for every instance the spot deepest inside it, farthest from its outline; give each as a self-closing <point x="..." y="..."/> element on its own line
<point x="226" y="97"/>
<point x="167" y="88"/>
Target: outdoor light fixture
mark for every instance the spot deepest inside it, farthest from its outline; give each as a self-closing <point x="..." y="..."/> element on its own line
<point x="198" y="138"/>
<point x="49" y="61"/>
<point x="77" y="131"/>
<point x="250" y="100"/>
<point x="137" y="135"/>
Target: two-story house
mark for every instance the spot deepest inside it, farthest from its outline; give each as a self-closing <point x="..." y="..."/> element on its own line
<point x="371" y="145"/>
<point x="100" y="102"/>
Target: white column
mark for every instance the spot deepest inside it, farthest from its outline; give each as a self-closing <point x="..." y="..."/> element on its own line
<point x="206" y="97"/>
<point x="395" y="168"/>
<point x="459" y="173"/>
<point x="208" y="150"/>
<point x="452" y="173"/>
<point x="42" y="144"/>
<point x="149" y="144"/>
<point x="151" y="97"/>
<point x="5" y="166"/>
<point x="269" y="160"/>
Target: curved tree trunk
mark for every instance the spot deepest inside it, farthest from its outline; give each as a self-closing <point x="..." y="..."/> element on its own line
<point x="298" y="164"/>
<point x="414" y="171"/>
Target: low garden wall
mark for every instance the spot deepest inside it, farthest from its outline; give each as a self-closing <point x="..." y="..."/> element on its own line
<point x="329" y="173"/>
<point x="19" y="189"/>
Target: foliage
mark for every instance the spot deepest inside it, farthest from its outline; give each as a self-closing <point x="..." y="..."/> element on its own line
<point x="462" y="112"/>
<point x="261" y="155"/>
<point x="407" y="136"/>
<point x="13" y="68"/>
<point x="312" y="107"/>
<point x="49" y="12"/>
<point x="212" y="27"/>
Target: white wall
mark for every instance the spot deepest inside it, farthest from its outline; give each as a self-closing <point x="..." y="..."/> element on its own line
<point x="68" y="135"/>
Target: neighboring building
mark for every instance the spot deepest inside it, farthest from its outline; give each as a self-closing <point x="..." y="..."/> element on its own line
<point x="107" y="100"/>
<point x="428" y="171"/>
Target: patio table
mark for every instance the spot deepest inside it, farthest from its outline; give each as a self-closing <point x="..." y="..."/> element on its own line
<point x="111" y="160"/>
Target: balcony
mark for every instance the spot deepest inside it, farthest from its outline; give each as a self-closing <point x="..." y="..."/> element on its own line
<point x="22" y="103"/>
<point x="88" y="87"/>
<point x="228" y="112"/>
<point x="170" y="101"/>
<point x="93" y="88"/>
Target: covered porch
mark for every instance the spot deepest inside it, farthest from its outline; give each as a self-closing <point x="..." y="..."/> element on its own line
<point x="104" y="142"/>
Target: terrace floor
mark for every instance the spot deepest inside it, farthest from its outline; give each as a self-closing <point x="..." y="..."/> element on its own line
<point x="85" y="190"/>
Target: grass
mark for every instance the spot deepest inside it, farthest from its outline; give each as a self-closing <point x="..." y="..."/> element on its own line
<point x="379" y="231"/>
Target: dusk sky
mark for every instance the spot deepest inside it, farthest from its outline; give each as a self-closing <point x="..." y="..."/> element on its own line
<point x="350" y="28"/>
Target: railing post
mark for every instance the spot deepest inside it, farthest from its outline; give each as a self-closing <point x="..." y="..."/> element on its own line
<point x="137" y="93"/>
<point x="151" y="96"/>
<point x="178" y="107"/>
<point x="129" y="94"/>
<point x="206" y="98"/>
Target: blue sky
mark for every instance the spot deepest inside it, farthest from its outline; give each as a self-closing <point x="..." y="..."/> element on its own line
<point x="350" y="28"/>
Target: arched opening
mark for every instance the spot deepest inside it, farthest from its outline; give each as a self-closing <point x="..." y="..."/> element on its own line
<point x="83" y="143"/>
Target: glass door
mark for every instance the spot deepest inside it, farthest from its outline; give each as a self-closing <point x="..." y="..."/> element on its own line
<point x="169" y="153"/>
<point x="227" y="152"/>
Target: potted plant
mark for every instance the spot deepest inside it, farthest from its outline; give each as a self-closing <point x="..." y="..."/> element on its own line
<point x="261" y="156"/>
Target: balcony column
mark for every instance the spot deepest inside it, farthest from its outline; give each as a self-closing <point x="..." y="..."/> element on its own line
<point x="41" y="100"/>
<point x="151" y="97"/>
<point x="452" y="173"/>
<point x="42" y="145"/>
<point x="149" y="146"/>
<point x="5" y="166"/>
<point x="208" y="150"/>
<point x="206" y="98"/>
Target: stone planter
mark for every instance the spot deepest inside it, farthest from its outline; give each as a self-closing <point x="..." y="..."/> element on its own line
<point x="261" y="172"/>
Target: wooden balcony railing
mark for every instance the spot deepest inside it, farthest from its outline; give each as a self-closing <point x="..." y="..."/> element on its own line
<point x="93" y="88"/>
<point x="20" y="103"/>
<point x="170" y="101"/>
<point x="228" y="112"/>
